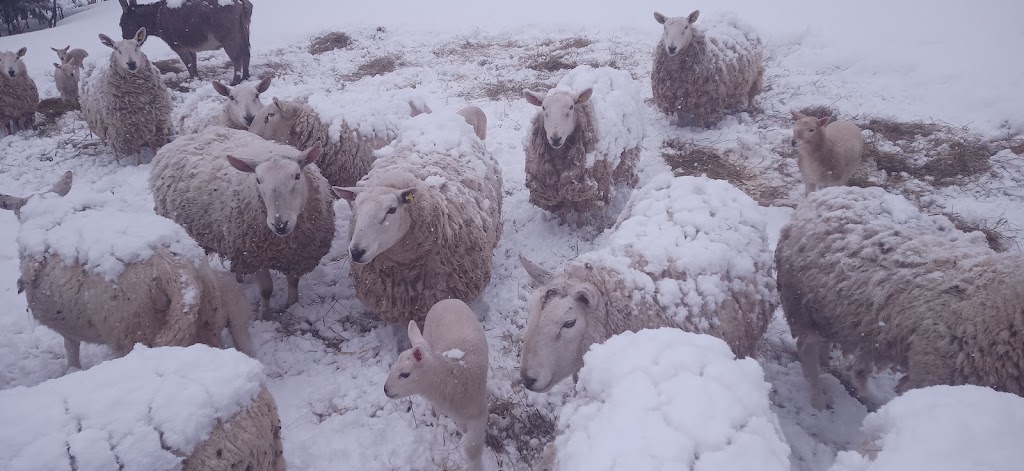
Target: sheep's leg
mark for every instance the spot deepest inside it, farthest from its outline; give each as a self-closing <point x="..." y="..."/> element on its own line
<point x="293" y="290"/>
<point x="473" y="443"/>
<point x="808" y="349"/>
<point x="195" y="63"/>
<point x="266" y="285"/>
<point x="185" y="59"/>
<point x="73" y="348"/>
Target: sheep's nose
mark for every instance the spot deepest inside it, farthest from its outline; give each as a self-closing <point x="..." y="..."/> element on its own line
<point x="386" y="393"/>
<point x="793" y="142"/>
<point x="248" y="119"/>
<point x="556" y="142"/>
<point x="672" y="50"/>
<point x="132" y="65"/>
<point x="357" y="254"/>
<point x="529" y="382"/>
<point x="11" y="72"/>
<point x="281" y="228"/>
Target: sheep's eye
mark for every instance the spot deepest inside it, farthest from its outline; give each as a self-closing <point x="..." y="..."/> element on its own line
<point x="403" y="375"/>
<point x="297" y="176"/>
<point x="232" y="98"/>
<point x="569" y="324"/>
<point x="392" y="210"/>
<point x="258" y="181"/>
<point x="810" y="130"/>
<point x="572" y="107"/>
<point x="270" y="115"/>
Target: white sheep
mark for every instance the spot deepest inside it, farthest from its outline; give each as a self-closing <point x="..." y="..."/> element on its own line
<point x="584" y="143"/>
<point x="701" y="75"/>
<point x="94" y="272"/>
<point x="238" y="110"/>
<point x="348" y="151"/>
<point x="425" y="219"/>
<point x="866" y="270"/>
<point x="686" y="252"/>
<point x="66" y="77"/>
<point x="19" y="96"/>
<point x="448" y="365"/>
<point x="156" y="409"/>
<point x="828" y="151"/>
<point x="125" y="102"/>
<point x="75" y="57"/>
<point x="259" y="204"/>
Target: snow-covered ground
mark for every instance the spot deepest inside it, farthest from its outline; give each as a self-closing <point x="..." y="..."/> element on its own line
<point x="327" y="358"/>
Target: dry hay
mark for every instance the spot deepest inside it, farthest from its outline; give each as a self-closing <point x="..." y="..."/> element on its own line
<point x="377" y="66"/>
<point x="507" y="89"/>
<point x="52" y="109"/>
<point x="554" y="55"/>
<point x="524" y="427"/>
<point x="169" y="66"/>
<point x="469" y="48"/>
<point x="820" y="111"/>
<point x="329" y="42"/>
<point x="688" y="158"/>
<point x="996" y="231"/>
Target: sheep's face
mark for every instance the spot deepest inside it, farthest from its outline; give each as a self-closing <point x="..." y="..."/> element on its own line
<point x="243" y="102"/>
<point x="282" y="187"/>
<point x="556" y="331"/>
<point x="380" y="219"/>
<point x="11" y="65"/>
<point x="274" y="121"/>
<point x="807" y="129"/>
<point x="558" y="111"/>
<point x="409" y="375"/>
<point x="678" y="31"/>
<point x="66" y="70"/>
<point x="128" y="53"/>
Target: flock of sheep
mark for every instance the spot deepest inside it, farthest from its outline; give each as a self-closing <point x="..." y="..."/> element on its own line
<point x="860" y="268"/>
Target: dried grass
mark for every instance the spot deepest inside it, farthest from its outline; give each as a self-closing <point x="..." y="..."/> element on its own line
<point x="468" y="48"/>
<point x="515" y="423"/>
<point x="169" y="66"/>
<point x="507" y="89"/>
<point x="996" y="231"/>
<point x="52" y="109"/>
<point x="329" y="42"/>
<point x="819" y="111"/>
<point x="897" y="131"/>
<point x="688" y="158"/>
<point x="377" y="66"/>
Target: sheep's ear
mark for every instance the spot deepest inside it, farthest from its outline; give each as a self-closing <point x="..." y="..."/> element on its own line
<point x="56" y="66"/>
<point x="822" y="122"/>
<point x="221" y="88"/>
<point x="584" y="96"/>
<point x="533" y="97"/>
<point x="345" y="193"/>
<point x="538" y="274"/>
<point x="241" y="165"/>
<point x="407" y="196"/>
<point x="62" y="186"/>
<point x="797" y="115"/>
<point x="12" y="203"/>
<point x="263" y="85"/>
<point x="693" y="16"/>
<point x="124" y="4"/>
<point x="22" y="52"/>
<point x="141" y="36"/>
<point x="310" y="155"/>
<point x="106" y="41"/>
<point x="415" y="337"/>
<point x="660" y="18"/>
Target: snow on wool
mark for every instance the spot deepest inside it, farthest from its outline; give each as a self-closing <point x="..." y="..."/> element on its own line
<point x="942" y="428"/>
<point x="126" y="411"/>
<point x="669" y="399"/>
<point x="376" y="117"/>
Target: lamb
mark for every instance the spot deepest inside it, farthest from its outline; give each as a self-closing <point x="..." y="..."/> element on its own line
<point x="687" y="252"/>
<point x="66" y="77"/>
<point x="94" y="272"/>
<point x="236" y="195"/>
<point x="18" y="93"/>
<point x="700" y="76"/>
<point x="868" y="271"/>
<point x="829" y="151"/>
<point x="584" y="143"/>
<point x="156" y="409"/>
<point x="447" y="365"/>
<point x="125" y="103"/>
<point x="75" y="57"/>
<point x="348" y="157"/>
<point x="425" y="219"/>
<point x="237" y="111"/>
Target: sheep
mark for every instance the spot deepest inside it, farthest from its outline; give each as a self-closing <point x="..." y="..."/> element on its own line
<point x="346" y="160"/>
<point x="447" y="365"/>
<point x="157" y="409"/>
<point x="198" y="25"/>
<point x="828" y="151"/>
<point x="242" y="105"/>
<point x="126" y="104"/>
<point x="584" y="142"/>
<point x="66" y="76"/>
<point x="866" y="270"/>
<point x="18" y="93"/>
<point x="76" y="283"/>
<point x="686" y="252"/>
<point x="75" y="57"/>
<point x="236" y="195"/>
<point x="700" y="76"/>
<point x="425" y="219"/>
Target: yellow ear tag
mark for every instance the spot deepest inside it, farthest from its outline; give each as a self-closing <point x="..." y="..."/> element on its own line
<point x="410" y="198"/>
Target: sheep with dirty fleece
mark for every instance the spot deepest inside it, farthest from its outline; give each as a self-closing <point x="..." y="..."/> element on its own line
<point x="125" y="102"/>
<point x="75" y="57"/>
<point x="583" y="145"/>
<point x="867" y="271"/>
<point x="156" y="409"/>
<point x="257" y="203"/>
<point x="349" y="139"/>
<point x="702" y="74"/>
<point x="66" y="77"/>
<point x="448" y="365"/>
<point x="19" y="96"/>
<point x="941" y="428"/>
<point x="425" y="220"/>
<point x="240" y="106"/>
<point x="97" y="272"/>
<point x="695" y="406"/>
<point x="828" y="152"/>
<point x="686" y="252"/>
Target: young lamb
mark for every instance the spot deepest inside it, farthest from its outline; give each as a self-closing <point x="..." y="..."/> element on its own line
<point x="701" y="75"/>
<point x="687" y="252"/>
<point x="868" y="271"/>
<point x="447" y="365"/>
<point x="584" y="142"/>
<point x="126" y="103"/>
<point x="66" y="76"/>
<point x="829" y="151"/>
<point x="257" y="203"/>
<point x="347" y="158"/>
<point x="425" y="219"/>
<point x="75" y="57"/>
<point x="18" y="93"/>
<point x="94" y="272"/>
<point x="237" y="111"/>
<point x="156" y="409"/>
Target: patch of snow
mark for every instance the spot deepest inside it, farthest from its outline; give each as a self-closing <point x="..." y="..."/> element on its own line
<point x="728" y="36"/>
<point x="435" y="180"/>
<point x="373" y="113"/>
<point x="454" y="354"/>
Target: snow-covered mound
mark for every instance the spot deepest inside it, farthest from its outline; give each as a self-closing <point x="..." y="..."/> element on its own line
<point x="942" y="428"/>
<point x="127" y="411"/>
<point x="439" y="133"/>
<point x="668" y="399"/>
<point x="376" y="113"/>
<point x="617" y="103"/>
<point x="99" y="231"/>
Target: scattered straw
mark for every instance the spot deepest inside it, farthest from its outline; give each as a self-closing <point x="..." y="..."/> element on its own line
<point x="377" y="66"/>
<point x="688" y="158"/>
<point x="820" y="111"/>
<point x="52" y="109"/>
<point x="329" y="42"/>
<point x="520" y="425"/>
<point x="508" y="89"/>
<point x="897" y="131"/>
<point x="995" y="230"/>
<point x="168" y="66"/>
